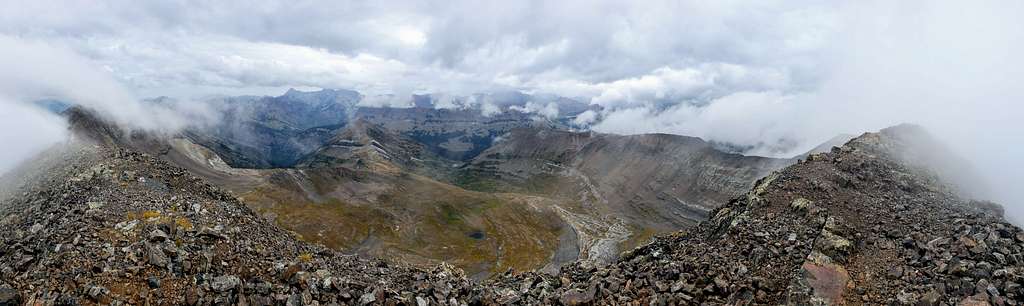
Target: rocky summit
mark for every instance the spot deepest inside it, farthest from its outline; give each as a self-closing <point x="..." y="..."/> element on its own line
<point x="94" y="221"/>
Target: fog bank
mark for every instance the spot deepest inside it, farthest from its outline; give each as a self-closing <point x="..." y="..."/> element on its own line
<point x="34" y="70"/>
<point x="952" y="67"/>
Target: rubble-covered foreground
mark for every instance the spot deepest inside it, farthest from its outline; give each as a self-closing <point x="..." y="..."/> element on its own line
<point x="119" y="227"/>
<point x="858" y="225"/>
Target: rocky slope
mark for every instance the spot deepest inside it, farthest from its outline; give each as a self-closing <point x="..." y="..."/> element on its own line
<point x="650" y="184"/>
<point x="365" y="145"/>
<point x="361" y="194"/>
<point x="102" y="224"/>
<point x="676" y="174"/>
<point x="861" y="224"/>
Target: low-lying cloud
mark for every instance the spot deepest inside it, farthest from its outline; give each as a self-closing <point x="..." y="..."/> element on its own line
<point x="34" y="70"/>
<point x="44" y="130"/>
<point x="546" y="110"/>
<point x="951" y="67"/>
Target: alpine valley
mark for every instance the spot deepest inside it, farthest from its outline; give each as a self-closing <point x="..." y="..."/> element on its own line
<point x="314" y="198"/>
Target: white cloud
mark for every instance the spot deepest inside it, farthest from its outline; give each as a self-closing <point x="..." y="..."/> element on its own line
<point x="410" y="36"/>
<point x="585" y="119"/>
<point x="547" y="110"/>
<point x="26" y="130"/>
<point x="228" y="62"/>
<point x="386" y="47"/>
<point x="669" y="86"/>
<point x="489" y="109"/>
<point x="35" y="69"/>
<point x="388" y="100"/>
<point x="748" y="118"/>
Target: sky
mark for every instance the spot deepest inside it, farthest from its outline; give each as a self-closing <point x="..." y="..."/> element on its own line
<point x="778" y="76"/>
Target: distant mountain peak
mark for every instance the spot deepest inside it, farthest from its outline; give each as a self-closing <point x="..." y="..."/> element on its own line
<point x="322" y="96"/>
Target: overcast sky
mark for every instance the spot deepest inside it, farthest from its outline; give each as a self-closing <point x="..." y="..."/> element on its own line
<point x="777" y="75"/>
<point x="575" y="48"/>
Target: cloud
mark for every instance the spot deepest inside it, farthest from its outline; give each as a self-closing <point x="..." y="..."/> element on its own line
<point x="668" y="86"/>
<point x="34" y="70"/>
<point x="387" y="100"/>
<point x="759" y="119"/>
<point x="547" y="110"/>
<point x="951" y="67"/>
<point x="390" y="47"/>
<point x="489" y="109"/>
<point x="585" y="119"/>
<point x="484" y="102"/>
<point x="26" y="130"/>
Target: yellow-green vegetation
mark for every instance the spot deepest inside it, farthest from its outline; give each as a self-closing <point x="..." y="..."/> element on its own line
<point x="150" y="214"/>
<point x="800" y="204"/>
<point x="332" y="223"/>
<point x="305" y="257"/>
<point x="421" y="221"/>
<point x="641" y="236"/>
<point x="477" y="182"/>
<point x="183" y="223"/>
<point x="538" y="184"/>
<point x="545" y="184"/>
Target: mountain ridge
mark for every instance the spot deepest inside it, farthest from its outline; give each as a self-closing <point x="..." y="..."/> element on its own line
<point x="853" y="225"/>
<point x="362" y="190"/>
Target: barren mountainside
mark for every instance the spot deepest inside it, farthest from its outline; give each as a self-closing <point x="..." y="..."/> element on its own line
<point x="97" y="220"/>
<point x="373" y="191"/>
<point x="658" y="182"/>
<point x="858" y="225"/>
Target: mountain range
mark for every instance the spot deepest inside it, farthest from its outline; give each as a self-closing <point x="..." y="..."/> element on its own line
<point x="311" y="198"/>
<point x="424" y="185"/>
